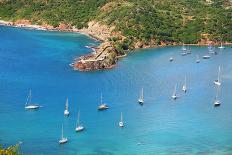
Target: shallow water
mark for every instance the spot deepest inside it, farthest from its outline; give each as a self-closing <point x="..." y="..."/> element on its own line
<point x="40" y="60"/>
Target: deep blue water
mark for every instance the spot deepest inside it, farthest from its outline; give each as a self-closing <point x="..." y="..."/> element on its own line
<point x="40" y="60"/>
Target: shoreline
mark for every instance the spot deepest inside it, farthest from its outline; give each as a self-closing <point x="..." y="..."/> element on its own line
<point x="91" y="61"/>
<point x="86" y="33"/>
<point x="47" y="28"/>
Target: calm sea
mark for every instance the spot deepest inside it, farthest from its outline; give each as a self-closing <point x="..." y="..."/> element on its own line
<point x="39" y="61"/>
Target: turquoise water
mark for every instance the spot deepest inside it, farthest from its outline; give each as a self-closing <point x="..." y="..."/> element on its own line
<point x="40" y="60"/>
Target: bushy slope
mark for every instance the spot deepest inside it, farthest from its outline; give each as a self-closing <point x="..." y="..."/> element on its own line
<point x="139" y="20"/>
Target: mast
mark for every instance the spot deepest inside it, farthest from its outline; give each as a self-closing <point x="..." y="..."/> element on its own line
<point x="174" y="93"/>
<point x="185" y="81"/>
<point x="217" y="93"/>
<point x="121" y="117"/>
<point x="219" y="70"/>
<point x="28" y="98"/>
<point x="101" y="98"/>
<point x="62" y="133"/>
<point x="142" y="94"/>
<point x="78" y="118"/>
<point x="66" y="105"/>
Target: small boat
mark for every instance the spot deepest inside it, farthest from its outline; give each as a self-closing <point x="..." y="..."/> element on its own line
<point x="141" y="98"/>
<point x="63" y="139"/>
<point x="66" y="112"/>
<point x="184" y="50"/>
<point x="174" y="96"/>
<point x="29" y="105"/>
<point x="102" y="106"/>
<point x="79" y="127"/>
<point x="121" y="124"/>
<point x="221" y="47"/>
<point x="218" y="81"/>
<point x="198" y="59"/>
<point x="171" y="59"/>
<point x="189" y="51"/>
<point x="217" y="101"/>
<point x="206" y="57"/>
<point x="184" y="88"/>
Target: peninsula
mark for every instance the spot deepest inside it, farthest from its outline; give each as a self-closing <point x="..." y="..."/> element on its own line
<point x="123" y="25"/>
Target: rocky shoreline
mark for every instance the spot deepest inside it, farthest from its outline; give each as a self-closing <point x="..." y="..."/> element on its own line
<point x="106" y="55"/>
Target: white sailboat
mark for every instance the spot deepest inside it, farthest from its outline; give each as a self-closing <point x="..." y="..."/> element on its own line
<point x="221" y="47"/>
<point x="189" y="51"/>
<point x="66" y="112"/>
<point x="217" y="101"/>
<point x="141" y="98"/>
<point x="184" y="50"/>
<point x="63" y="139"/>
<point x="206" y="56"/>
<point x="79" y="127"/>
<point x="102" y="106"/>
<point x="29" y="104"/>
<point x="121" y="124"/>
<point x="198" y="59"/>
<point x="174" y="96"/>
<point x="218" y="81"/>
<point x="184" y="88"/>
<point x="171" y="59"/>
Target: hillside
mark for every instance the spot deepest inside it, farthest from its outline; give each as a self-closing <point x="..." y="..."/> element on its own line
<point x="128" y="24"/>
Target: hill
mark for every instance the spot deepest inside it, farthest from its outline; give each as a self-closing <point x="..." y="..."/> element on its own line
<point x="128" y="24"/>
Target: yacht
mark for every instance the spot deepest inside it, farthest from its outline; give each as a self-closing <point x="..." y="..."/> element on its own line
<point x="198" y="59"/>
<point x="206" y="57"/>
<point x="184" y="50"/>
<point x="102" y="106"/>
<point x="66" y="112"/>
<point x="189" y="51"/>
<point x="218" y="81"/>
<point x="79" y="127"/>
<point x="63" y="139"/>
<point x="141" y="98"/>
<point x="29" y="105"/>
<point x="121" y="124"/>
<point x="217" y="101"/>
<point x="171" y="59"/>
<point x="221" y="47"/>
<point x="174" y="96"/>
<point x="184" y="88"/>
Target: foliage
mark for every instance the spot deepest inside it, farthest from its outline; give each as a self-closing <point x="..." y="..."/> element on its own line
<point x="138" y="20"/>
<point x="13" y="150"/>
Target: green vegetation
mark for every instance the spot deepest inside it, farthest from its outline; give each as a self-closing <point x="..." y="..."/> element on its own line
<point x="13" y="150"/>
<point x="167" y="21"/>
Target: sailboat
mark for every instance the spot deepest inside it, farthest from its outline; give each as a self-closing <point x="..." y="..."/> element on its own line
<point x="63" y="139"/>
<point x="198" y="59"/>
<point x="79" y="127"/>
<point x="121" y="124"/>
<point x="29" y="104"/>
<point x="221" y="47"/>
<point x="66" y="112"/>
<point x="174" y="96"/>
<point x="212" y="49"/>
<point x="206" y="56"/>
<point x="184" y="50"/>
<point x="141" y="100"/>
<point x="218" y="81"/>
<point x="171" y="59"/>
<point x="102" y="106"/>
<point x="217" y="101"/>
<point x="184" y="88"/>
<point x="189" y="50"/>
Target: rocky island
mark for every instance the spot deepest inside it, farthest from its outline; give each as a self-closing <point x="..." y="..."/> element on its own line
<point x="126" y="24"/>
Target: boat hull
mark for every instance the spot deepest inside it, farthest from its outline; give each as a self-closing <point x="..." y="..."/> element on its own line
<point x="64" y="140"/>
